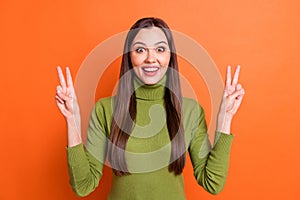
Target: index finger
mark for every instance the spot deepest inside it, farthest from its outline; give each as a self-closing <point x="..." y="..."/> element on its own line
<point x="69" y="77"/>
<point x="61" y="77"/>
<point x="236" y="75"/>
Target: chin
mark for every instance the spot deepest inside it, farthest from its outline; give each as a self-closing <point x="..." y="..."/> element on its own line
<point x="150" y="82"/>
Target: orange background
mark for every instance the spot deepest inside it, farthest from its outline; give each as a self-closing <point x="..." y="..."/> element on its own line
<point x="260" y="35"/>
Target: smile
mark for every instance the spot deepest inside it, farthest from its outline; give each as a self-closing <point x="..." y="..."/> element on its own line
<point x="150" y="69"/>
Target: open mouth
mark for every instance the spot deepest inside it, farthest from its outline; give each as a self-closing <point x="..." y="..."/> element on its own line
<point x="150" y="71"/>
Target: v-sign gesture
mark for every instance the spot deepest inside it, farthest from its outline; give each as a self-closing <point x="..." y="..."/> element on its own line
<point x="233" y="93"/>
<point x="65" y="95"/>
<point x="231" y="101"/>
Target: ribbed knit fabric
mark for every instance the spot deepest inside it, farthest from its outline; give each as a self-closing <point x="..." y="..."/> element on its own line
<point x="148" y="151"/>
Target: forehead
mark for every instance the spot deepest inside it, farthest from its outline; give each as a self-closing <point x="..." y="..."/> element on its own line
<point x="150" y="36"/>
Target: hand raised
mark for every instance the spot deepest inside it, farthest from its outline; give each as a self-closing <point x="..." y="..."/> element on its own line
<point x="233" y="93"/>
<point x="65" y="95"/>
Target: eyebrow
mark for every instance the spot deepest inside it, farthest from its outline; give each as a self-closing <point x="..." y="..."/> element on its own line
<point x="142" y="43"/>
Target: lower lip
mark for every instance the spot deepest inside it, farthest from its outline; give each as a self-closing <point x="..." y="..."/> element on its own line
<point x="152" y="73"/>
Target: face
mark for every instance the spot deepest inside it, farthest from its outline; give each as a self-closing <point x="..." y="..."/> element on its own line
<point x="150" y="55"/>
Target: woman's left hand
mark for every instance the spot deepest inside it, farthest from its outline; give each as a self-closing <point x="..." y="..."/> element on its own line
<point x="231" y="101"/>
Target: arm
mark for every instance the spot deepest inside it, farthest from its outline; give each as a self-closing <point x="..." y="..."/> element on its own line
<point x="210" y="165"/>
<point x="85" y="163"/>
<point x="85" y="171"/>
<point x="85" y="166"/>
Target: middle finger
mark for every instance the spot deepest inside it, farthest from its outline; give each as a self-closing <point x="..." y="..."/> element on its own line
<point x="236" y="75"/>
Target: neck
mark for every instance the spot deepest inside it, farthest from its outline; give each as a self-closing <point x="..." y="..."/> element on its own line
<point x="149" y="92"/>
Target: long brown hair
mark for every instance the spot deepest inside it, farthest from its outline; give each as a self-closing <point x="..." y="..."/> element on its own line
<point x="125" y="100"/>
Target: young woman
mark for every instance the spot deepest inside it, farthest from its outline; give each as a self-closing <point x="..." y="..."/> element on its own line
<point x="147" y="128"/>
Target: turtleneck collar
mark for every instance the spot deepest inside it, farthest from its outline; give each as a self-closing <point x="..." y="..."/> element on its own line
<point x="149" y="92"/>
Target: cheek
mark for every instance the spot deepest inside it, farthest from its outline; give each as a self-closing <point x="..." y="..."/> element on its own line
<point x="136" y="59"/>
<point x="165" y="59"/>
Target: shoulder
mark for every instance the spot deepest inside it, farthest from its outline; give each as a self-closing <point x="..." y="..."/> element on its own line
<point x="105" y="100"/>
<point x="190" y="105"/>
<point x="104" y="106"/>
<point x="101" y="114"/>
<point x="193" y="117"/>
<point x="104" y="103"/>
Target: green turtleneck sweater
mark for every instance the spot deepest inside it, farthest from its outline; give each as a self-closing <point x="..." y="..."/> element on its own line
<point x="148" y="151"/>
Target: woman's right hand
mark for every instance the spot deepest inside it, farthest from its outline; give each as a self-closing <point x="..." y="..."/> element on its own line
<point x="65" y="95"/>
<point x="67" y="103"/>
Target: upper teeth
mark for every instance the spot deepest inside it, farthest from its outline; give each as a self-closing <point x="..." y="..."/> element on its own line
<point x="150" y="69"/>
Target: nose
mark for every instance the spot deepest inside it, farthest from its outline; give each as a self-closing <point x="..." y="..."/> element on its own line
<point x="151" y="57"/>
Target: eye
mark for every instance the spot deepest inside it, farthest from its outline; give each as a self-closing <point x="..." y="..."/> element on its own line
<point x="161" y="49"/>
<point x="140" y="49"/>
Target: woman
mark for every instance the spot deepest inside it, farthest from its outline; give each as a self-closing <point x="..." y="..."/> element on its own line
<point x="147" y="128"/>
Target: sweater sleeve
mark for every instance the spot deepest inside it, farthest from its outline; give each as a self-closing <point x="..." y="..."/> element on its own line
<point x="210" y="164"/>
<point x="85" y="162"/>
